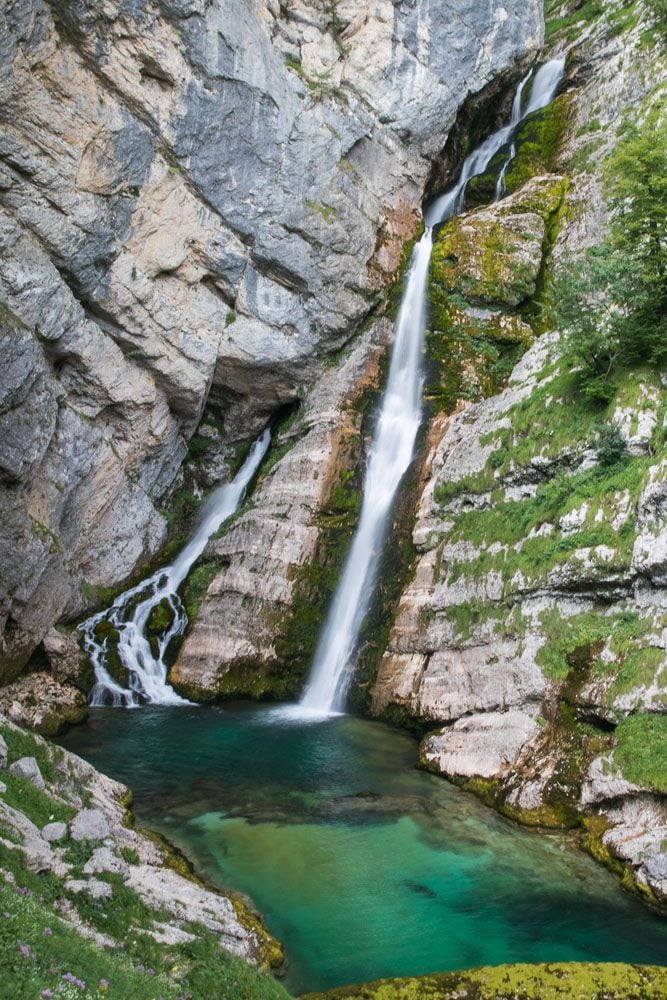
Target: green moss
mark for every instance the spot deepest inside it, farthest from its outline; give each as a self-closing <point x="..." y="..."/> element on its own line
<point x="196" y="587"/>
<point x="641" y="753"/>
<point x="553" y="981"/>
<point x="539" y="141"/>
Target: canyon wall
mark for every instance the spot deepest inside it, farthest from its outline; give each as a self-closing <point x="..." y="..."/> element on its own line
<point x="199" y="202"/>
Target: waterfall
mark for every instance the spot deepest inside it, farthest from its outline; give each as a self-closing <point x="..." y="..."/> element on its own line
<point x="399" y="419"/>
<point x="128" y="616"/>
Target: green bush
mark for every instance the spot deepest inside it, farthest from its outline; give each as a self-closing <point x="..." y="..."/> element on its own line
<point x="612" y="303"/>
<point x="610" y="445"/>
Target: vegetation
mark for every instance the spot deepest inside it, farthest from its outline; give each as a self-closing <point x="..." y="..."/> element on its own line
<point x="556" y="981"/>
<point x="642" y="750"/>
<point x="43" y="955"/>
<point x="613" y="305"/>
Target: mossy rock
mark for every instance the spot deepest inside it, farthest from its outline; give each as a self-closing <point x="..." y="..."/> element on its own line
<point x="490" y="259"/>
<point x="539" y="141"/>
<point x="105" y="630"/>
<point x="553" y="981"/>
<point x="160" y="618"/>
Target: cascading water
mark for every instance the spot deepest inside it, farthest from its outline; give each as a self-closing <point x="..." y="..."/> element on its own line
<point x="128" y="616"/>
<point x="398" y="423"/>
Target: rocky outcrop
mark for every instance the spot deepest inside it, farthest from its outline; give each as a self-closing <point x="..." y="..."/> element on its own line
<point x="93" y="850"/>
<point x="533" y="634"/>
<point x="198" y="201"/>
<point x="259" y="618"/>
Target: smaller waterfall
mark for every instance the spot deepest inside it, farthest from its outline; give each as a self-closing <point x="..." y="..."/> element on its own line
<point x="545" y="85"/>
<point x="398" y="423"/>
<point x="128" y="616"/>
<point x="515" y="121"/>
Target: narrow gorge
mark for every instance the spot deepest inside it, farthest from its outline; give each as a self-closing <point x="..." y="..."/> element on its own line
<point x="333" y="478"/>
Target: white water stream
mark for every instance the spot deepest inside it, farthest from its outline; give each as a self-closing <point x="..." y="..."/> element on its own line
<point x="130" y="612"/>
<point x="400" y="416"/>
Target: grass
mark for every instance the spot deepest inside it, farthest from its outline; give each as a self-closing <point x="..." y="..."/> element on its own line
<point x="641" y="753"/>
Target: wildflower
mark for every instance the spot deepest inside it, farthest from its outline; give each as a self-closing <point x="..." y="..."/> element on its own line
<point x="48" y="932"/>
<point x="140" y="967"/>
<point x="6" y="915"/>
<point x="104" y="984"/>
<point x="25" y="950"/>
<point x="46" y="994"/>
<point x="150" y="972"/>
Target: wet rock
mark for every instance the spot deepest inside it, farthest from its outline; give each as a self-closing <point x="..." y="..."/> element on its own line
<point x="89" y="824"/>
<point x="150" y="262"/>
<point x="28" y="768"/>
<point x="481" y="746"/>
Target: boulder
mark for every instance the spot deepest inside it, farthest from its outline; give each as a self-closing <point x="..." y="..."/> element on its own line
<point x="90" y="824"/>
<point x="53" y="832"/>
<point x="28" y="768"/>
<point x="104" y="860"/>
<point x="3" y="752"/>
<point x="92" y="886"/>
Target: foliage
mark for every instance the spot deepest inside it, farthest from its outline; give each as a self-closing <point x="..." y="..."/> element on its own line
<point x="658" y="9"/>
<point x="609" y="444"/>
<point x="612" y="304"/>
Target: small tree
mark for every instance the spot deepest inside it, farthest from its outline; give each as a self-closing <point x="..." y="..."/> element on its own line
<point x="609" y="444"/>
<point x="612" y="303"/>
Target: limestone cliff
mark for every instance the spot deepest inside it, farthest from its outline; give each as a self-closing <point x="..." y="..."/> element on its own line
<point x="198" y="203"/>
<point x="531" y="643"/>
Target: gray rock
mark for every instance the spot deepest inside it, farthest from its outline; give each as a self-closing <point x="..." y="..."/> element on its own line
<point x="89" y="824"/>
<point x="92" y="886"/>
<point x="104" y="860"/>
<point x="3" y="787"/>
<point x="3" y="752"/>
<point x="125" y="247"/>
<point x="27" y="767"/>
<point x="53" y="832"/>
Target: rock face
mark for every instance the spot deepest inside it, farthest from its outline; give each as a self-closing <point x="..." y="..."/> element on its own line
<point x="248" y="637"/>
<point x="532" y="639"/>
<point x="198" y="201"/>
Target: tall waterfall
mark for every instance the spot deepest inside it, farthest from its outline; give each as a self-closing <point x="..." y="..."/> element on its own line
<point x="399" y="419"/>
<point x="129" y="615"/>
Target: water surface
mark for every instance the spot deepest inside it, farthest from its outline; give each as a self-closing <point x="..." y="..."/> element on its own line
<point x="362" y="865"/>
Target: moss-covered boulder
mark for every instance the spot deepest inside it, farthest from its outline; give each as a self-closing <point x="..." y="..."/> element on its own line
<point x="491" y="257"/>
<point x="555" y="981"/>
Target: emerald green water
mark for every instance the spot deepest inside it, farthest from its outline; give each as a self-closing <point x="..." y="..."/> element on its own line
<point x="362" y="865"/>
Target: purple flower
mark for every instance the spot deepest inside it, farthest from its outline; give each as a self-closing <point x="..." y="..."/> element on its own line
<point x="24" y="949"/>
<point x="6" y="915"/>
<point x="104" y="983"/>
<point x="46" y="994"/>
<point x="140" y="967"/>
<point x="52" y="970"/>
<point x="48" y="932"/>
